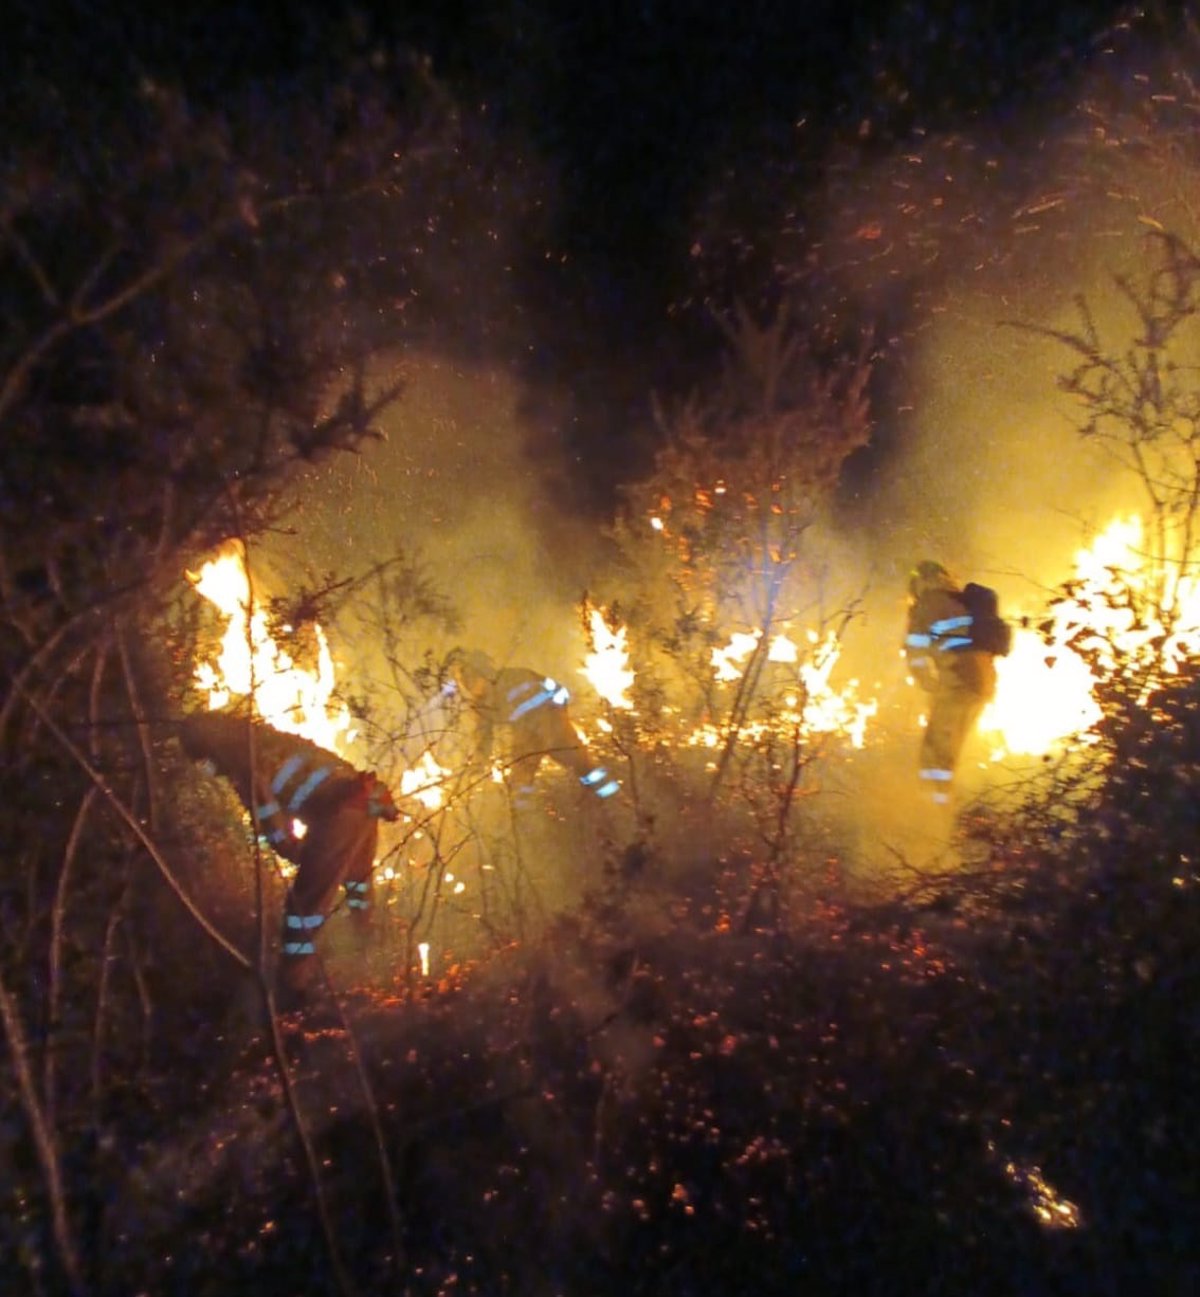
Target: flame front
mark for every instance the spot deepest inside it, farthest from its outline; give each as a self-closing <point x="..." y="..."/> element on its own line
<point x="814" y="706"/>
<point x="250" y="664"/>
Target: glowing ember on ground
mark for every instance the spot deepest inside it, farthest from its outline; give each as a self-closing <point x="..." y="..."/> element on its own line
<point x="607" y="665"/>
<point x="251" y="664"/>
<point x="1051" y="1210"/>
<point x="1045" y="689"/>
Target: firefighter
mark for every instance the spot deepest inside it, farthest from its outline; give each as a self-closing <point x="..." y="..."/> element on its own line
<point x="946" y="661"/>
<point x="282" y="778"/>
<point x="530" y="712"/>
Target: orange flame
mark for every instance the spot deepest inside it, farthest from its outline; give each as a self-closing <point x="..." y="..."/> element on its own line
<point x="250" y="664"/>
<point x="1045" y="690"/>
<point x="825" y="710"/>
<point x="607" y="664"/>
<point x="425" y="782"/>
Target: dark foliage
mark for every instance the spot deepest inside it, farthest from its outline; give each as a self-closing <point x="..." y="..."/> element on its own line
<point x="867" y="1104"/>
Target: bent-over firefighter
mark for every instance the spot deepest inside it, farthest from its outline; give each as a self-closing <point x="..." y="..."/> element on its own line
<point x="530" y="712"/>
<point x="283" y="779"/>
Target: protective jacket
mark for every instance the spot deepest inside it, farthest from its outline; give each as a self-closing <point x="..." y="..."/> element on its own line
<point x="281" y="779"/>
<point x="959" y="678"/>
<point x="528" y="712"/>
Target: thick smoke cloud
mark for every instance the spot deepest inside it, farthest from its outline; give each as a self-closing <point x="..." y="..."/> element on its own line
<point x="988" y="243"/>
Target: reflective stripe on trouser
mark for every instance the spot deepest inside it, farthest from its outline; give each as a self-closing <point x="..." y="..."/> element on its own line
<point x="938" y="782"/>
<point x="523" y="796"/>
<point x="356" y="895"/>
<point x="954" y="709"/>
<point x="295" y="926"/>
<point x="598" y="781"/>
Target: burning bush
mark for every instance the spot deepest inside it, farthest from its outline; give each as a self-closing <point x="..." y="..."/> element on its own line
<point x="733" y="631"/>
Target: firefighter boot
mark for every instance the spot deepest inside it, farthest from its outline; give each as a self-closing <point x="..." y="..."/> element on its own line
<point x="299" y="974"/>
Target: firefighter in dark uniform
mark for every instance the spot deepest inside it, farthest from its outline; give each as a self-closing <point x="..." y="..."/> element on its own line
<point x="943" y="659"/>
<point x="291" y="779"/>
<point x="528" y="711"/>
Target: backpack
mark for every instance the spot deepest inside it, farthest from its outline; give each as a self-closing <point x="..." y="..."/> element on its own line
<point x="989" y="631"/>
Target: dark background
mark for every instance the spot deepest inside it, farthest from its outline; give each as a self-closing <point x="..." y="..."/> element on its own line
<point x="653" y="119"/>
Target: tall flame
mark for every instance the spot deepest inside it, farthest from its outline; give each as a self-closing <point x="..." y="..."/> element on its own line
<point x="251" y="664"/>
<point x="607" y="665"/>
<point x="1045" y="690"/>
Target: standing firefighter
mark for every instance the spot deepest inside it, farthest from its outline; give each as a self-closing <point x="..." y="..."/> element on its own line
<point x="954" y="636"/>
<point x="282" y="778"/>
<point x="530" y="710"/>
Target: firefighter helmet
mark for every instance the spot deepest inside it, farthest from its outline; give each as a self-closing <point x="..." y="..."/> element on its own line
<point x="471" y="668"/>
<point x="928" y="575"/>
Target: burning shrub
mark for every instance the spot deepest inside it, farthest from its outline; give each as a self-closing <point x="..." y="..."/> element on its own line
<point x="733" y="632"/>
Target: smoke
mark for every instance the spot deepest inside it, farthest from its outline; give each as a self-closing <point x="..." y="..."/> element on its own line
<point x="969" y="246"/>
<point x="971" y="250"/>
<point x="454" y="488"/>
<point x="991" y="241"/>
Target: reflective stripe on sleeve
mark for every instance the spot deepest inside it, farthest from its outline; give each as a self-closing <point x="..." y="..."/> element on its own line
<point x="285" y="772"/>
<point x="306" y="789"/>
<point x="918" y="640"/>
<point x="946" y="624"/>
<point x="356" y="896"/>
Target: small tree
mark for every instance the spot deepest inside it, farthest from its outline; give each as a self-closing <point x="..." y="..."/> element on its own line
<point x="1140" y="403"/>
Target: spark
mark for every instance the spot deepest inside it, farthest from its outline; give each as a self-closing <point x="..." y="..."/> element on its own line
<point x="1051" y="1210"/>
